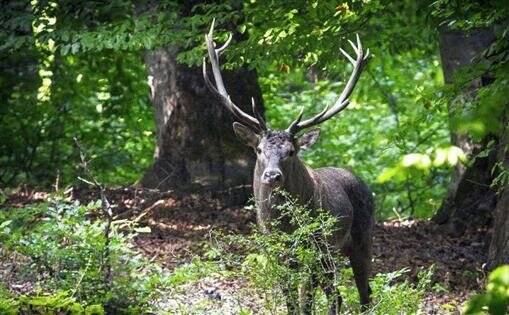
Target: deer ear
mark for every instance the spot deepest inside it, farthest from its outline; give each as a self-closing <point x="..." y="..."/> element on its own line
<point x="308" y="139"/>
<point x="246" y="134"/>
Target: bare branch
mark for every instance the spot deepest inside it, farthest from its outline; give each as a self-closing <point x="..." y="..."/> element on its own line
<point x="106" y="209"/>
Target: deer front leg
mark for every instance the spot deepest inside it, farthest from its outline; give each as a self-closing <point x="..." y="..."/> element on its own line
<point x="290" y="286"/>
<point x="333" y="297"/>
<point x="291" y="293"/>
<point x="308" y="294"/>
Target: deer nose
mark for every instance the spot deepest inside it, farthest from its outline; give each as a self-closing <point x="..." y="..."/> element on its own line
<point x="272" y="176"/>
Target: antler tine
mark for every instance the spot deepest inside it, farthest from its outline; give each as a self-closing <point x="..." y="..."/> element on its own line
<point x="342" y="102"/>
<point x="258" y="115"/>
<point x="219" y="90"/>
<point x="355" y="48"/>
<point x="225" y="45"/>
<point x="352" y="61"/>
<point x="293" y="126"/>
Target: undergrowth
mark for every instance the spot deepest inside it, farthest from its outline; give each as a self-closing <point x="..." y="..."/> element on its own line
<point x="77" y="268"/>
<point x="271" y="262"/>
<point x="75" y="265"/>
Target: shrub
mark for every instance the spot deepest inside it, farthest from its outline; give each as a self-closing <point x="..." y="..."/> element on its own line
<point x="58" y="303"/>
<point x="496" y="298"/>
<point x="279" y="259"/>
<point x="70" y="252"/>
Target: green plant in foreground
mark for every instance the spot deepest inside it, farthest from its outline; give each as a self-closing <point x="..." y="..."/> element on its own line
<point x="58" y="303"/>
<point x="496" y="298"/>
<point x="68" y="251"/>
<point x="272" y="261"/>
<point x="393" y="296"/>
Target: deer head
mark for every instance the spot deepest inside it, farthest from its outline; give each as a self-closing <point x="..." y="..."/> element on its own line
<point x="276" y="150"/>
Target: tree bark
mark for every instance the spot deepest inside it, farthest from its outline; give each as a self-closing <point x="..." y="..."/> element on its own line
<point x="470" y="198"/>
<point x="499" y="246"/>
<point x="196" y="146"/>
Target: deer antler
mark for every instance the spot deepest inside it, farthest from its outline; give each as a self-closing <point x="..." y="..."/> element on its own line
<point x="257" y="124"/>
<point x="342" y="102"/>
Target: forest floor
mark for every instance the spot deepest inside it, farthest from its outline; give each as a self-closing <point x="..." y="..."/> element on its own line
<point x="181" y="228"/>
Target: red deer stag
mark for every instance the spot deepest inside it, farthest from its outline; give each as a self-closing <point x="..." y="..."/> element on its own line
<point x="335" y="190"/>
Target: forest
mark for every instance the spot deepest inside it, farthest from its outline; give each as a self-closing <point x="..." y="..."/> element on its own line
<point x="254" y="157"/>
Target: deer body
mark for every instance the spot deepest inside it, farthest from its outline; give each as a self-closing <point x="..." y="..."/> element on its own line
<point x="335" y="190"/>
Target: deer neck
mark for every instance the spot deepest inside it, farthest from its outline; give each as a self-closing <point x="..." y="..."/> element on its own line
<point x="299" y="181"/>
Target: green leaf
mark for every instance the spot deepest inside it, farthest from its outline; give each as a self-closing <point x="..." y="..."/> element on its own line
<point x="5" y="224"/>
<point x="75" y="48"/>
<point x="64" y="49"/>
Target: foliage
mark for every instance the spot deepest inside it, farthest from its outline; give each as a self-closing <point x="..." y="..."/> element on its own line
<point x="69" y="252"/>
<point x="74" y="69"/>
<point x="287" y="258"/>
<point x="370" y="136"/>
<point x="49" y="98"/>
<point x="195" y="270"/>
<point x="59" y="303"/>
<point x="496" y="298"/>
<point x="457" y="14"/>
<point x="402" y="296"/>
<point x="398" y="113"/>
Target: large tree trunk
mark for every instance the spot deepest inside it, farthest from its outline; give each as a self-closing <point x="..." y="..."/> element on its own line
<point x="470" y="199"/>
<point x="196" y="146"/>
<point x="499" y="247"/>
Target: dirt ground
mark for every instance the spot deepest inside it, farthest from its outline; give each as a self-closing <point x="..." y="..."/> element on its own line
<point x="181" y="226"/>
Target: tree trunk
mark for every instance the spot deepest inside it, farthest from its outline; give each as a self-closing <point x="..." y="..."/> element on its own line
<point x="196" y="146"/>
<point x="499" y="247"/>
<point x="470" y="198"/>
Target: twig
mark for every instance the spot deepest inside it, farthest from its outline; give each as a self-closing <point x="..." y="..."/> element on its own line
<point x="82" y="275"/>
<point x="148" y="209"/>
<point x="106" y="209"/>
<point x="410" y="198"/>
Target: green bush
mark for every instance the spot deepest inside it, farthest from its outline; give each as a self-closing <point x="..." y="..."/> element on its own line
<point x="496" y="298"/>
<point x="393" y="296"/>
<point x="69" y="251"/>
<point x="58" y="303"/>
<point x="279" y="259"/>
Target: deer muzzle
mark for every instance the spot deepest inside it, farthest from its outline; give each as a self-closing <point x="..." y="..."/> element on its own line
<point x="272" y="176"/>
